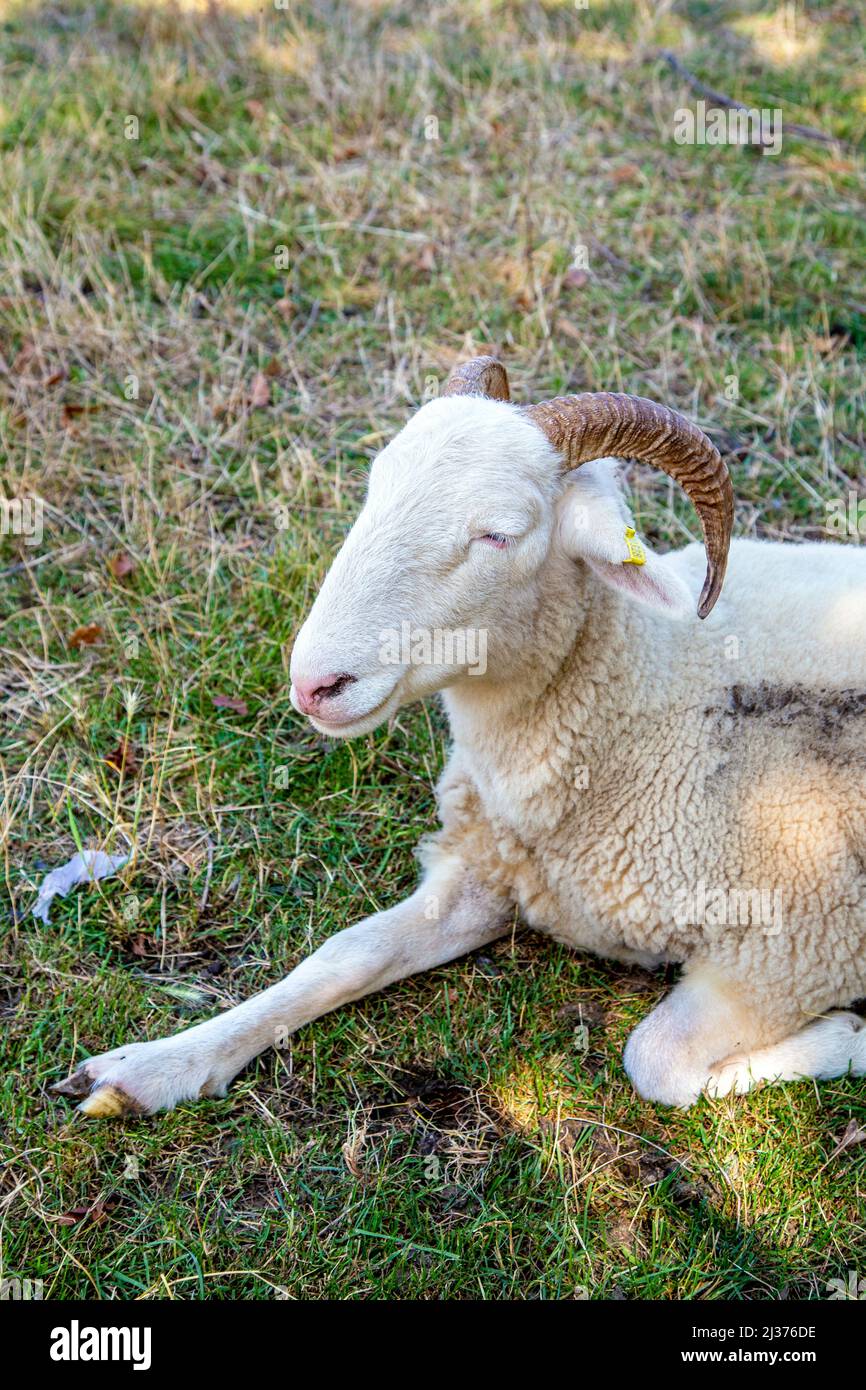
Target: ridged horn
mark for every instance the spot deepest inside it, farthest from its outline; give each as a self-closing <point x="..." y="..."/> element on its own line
<point x="596" y="424"/>
<point x="480" y="376"/>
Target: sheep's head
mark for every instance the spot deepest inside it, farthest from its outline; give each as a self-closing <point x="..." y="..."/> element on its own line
<point x="462" y="511"/>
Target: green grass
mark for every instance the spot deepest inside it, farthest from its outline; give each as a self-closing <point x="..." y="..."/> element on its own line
<point x="448" y="1138"/>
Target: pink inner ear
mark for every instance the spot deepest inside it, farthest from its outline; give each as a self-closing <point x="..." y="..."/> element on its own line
<point x="646" y="583"/>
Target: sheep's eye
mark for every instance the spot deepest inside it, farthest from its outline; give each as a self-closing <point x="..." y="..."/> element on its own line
<point x="496" y="539"/>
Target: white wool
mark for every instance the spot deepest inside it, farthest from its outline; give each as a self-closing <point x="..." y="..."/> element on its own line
<point x="628" y="779"/>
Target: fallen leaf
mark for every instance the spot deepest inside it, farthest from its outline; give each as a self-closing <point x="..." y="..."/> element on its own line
<point x="73" y="412"/>
<point x="351" y="1149"/>
<point x="626" y="173"/>
<point x="121" y="564"/>
<point x="86" y="636"/>
<point x="255" y="108"/>
<point x="516" y="276"/>
<point x="96" y="1214"/>
<point x="361" y="296"/>
<point x="570" y="329"/>
<point x="345" y="152"/>
<point x="228" y="702"/>
<point x="426" y="258"/>
<point x="87" y="867"/>
<point x="30" y="365"/>
<point x="575" y="277"/>
<point x="286" y="307"/>
<point x="839" y="166"/>
<point x="854" y="1134"/>
<point x="24" y="358"/>
<point x="260" y="391"/>
<point x="123" y="760"/>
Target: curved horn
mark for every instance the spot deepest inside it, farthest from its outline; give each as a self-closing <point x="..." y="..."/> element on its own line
<point x="480" y="376"/>
<point x="595" y="424"/>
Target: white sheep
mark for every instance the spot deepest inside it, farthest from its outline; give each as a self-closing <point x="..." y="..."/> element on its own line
<point x="632" y="782"/>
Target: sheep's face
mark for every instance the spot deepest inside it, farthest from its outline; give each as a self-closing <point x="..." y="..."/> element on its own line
<point x="437" y="578"/>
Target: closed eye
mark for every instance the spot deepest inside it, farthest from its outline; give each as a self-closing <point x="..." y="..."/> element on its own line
<point x="496" y="539"/>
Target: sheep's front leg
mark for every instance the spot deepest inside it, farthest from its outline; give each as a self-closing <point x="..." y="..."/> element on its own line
<point x="448" y="915"/>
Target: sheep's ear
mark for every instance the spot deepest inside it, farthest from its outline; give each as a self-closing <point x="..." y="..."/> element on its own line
<point x="596" y="526"/>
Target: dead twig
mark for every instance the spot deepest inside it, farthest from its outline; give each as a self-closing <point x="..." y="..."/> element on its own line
<point x="806" y="132"/>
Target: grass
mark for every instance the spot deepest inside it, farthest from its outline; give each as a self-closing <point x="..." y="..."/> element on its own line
<point x="280" y="209"/>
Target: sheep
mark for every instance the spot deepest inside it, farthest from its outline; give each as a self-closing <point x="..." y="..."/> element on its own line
<point x="626" y="780"/>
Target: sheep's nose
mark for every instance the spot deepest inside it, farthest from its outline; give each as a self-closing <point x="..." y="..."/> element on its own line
<point x="311" y="693"/>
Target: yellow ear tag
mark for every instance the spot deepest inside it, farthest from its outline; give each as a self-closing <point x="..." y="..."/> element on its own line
<point x="636" y="552"/>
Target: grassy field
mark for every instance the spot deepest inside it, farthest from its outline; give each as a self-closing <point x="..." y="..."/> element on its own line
<point x="238" y="242"/>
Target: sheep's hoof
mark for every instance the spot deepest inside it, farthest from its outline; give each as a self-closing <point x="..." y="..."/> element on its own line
<point x="107" y="1102"/>
<point x="77" y="1085"/>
